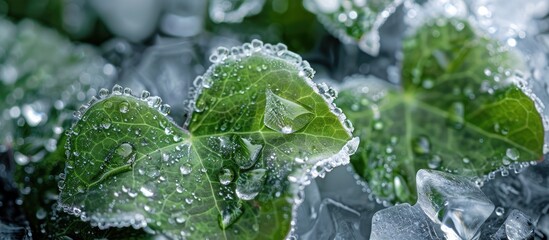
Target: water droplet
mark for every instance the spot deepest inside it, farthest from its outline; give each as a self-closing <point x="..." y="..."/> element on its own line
<point x="378" y="125"/>
<point x="283" y="115"/>
<point x="146" y="191"/>
<point x="185" y="169"/>
<point x="434" y="162"/>
<point x="401" y="189"/>
<point x="103" y="93"/>
<point x="179" y="218"/>
<point x="226" y="176"/>
<point x="512" y="153"/>
<point x="165" y="109"/>
<point x="257" y="45"/>
<point x="145" y="94"/>
<point x="117" y="90"/>
<point x="229" y="215"/>
<point x="41" y="214"/>
<point x="249" y="157"/>
<point x="124" y="150"/>
<point x="421" y="145"/>
<point x="500" y="211"/>
<point x="250" y="183"/>
<point x="124" y="107"/>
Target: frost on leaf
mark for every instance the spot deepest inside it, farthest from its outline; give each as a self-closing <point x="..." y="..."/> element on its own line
<point x="130" y="165"/>
<point x="354" y="21"/>
<point x="457" y="109"/>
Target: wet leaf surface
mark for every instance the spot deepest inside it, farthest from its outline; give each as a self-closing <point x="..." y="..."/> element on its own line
<point x="130" y="165"/>
<point x="458" y="108"/>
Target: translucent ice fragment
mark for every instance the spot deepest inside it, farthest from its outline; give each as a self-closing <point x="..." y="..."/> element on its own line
<point x="517" y="226"/>
<point x="404" y="222"/>
<point x="454" y="202"/>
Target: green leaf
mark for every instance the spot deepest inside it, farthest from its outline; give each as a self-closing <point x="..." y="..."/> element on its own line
<point x="354" y="21"/>
<point x="258" y="121"/>
<point x="457" y="109"/>
<point x="41" y="76"/>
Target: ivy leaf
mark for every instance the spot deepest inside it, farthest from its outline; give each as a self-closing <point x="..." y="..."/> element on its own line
<point x="41" y="75"/>
<point x="258" y="121"/>
<point x="457" y="110"/>
<point x="354" y="21"/>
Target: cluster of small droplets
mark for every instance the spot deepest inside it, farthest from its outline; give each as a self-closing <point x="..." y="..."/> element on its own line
<point x="117" y="90"/>
<point x="506" y="170"/>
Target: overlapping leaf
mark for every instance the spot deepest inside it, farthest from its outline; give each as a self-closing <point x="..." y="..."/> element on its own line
<point x="457" y="109"/>
<point x="257" y="121"/>
<point x="41" y="74"/>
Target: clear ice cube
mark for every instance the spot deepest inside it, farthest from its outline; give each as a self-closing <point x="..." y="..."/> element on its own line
<point x="404" y="222"/>
<point x="454" y="202"/>
<point x="517" y="226"/>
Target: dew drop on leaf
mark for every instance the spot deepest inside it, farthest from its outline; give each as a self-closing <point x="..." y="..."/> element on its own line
<point x="185" y="169"/>
<point x="512" y="153"/>
<point x="283" y="115"/>
<point x="249" y="158"/>
<point x="124" y="107"/>
<point x="117" y="90"/>
<point x="421" y="145"/>
<point x="103" y="93"/>
<point x="229" y="215"/>
<point x="434" y="162"/>
<point x="124" y="150"/>
<point x="147" y="192"/>
<point x="226" y="176"/>
<point x="250" y="183"/>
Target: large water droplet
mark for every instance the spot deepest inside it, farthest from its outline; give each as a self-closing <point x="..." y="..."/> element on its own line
<point x="512" y="153"/>
<point x="179" y="217"/>
<point x="226" y="176"/>
<point x="124" y="107"/>
<point x="249" y="157"/>
<point x="229" y="215"/>
<point x="124" y="150"/>
<point x="147" y="192"/>
<point x="185" y="169"/>
<point x="283" y="115"/>
<point x="250" y="183"/>
<point x="401" y="189"/>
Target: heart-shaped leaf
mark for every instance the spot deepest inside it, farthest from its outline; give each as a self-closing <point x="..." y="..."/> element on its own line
<point x="457" y="110"/>
<point x="258" y="121"/>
